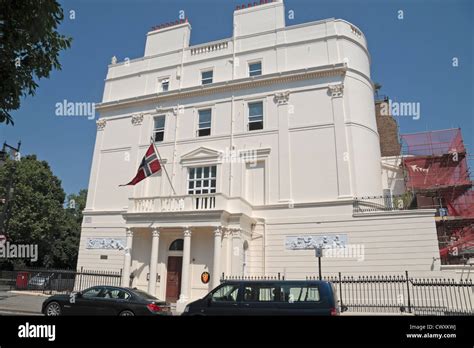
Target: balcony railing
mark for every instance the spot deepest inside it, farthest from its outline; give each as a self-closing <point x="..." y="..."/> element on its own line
<point x="371" y="204"/>
<point x="213" y="201"/>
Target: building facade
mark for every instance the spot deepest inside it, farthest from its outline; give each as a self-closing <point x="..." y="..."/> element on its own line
<point x="267" y="137"/>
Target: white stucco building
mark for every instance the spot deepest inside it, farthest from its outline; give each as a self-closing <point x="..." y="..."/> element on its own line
<point x="267" y="137"/>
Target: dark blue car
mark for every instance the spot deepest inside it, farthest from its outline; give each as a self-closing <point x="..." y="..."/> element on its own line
<point x="268" y="297"/>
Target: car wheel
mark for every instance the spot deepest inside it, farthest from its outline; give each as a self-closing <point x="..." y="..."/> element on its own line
<point x="126" y="313"/>
<point x="53" y="309"/>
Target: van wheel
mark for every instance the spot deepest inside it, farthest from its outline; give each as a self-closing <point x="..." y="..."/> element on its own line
<point x="126" y="313"/>
<point x="53" y="309"/>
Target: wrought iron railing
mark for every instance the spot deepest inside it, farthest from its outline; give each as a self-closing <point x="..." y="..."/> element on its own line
<point x="369" y="204"/>
<point x="394" y="293"/>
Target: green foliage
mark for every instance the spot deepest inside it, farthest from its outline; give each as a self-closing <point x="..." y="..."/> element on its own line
<point x="38" y="215"/>
<point x="29" y="48"/>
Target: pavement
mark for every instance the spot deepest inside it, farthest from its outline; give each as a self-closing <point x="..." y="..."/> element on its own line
<point x="20" y="303"/>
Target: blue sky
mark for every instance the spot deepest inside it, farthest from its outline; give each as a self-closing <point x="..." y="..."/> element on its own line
<point x="411" y="58"/>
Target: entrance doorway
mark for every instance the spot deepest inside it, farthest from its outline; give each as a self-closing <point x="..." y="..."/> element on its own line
<point x="175" y="263"/>
<point x="173" y="279"/>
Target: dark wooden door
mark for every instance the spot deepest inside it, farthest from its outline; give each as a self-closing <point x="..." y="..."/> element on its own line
<point x="173" y="279"/>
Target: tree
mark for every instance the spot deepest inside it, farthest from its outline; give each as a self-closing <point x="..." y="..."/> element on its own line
<point x="29" y="48"/>
<point x="38" y="216"/>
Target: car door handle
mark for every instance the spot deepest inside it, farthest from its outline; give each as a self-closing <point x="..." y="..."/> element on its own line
<point x="246" y="304"/>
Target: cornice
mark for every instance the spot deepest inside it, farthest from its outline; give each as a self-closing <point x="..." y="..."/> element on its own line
<point x="231" y="85"/>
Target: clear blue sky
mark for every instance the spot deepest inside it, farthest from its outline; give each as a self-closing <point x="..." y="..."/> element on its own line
<point x="411" y="58"/>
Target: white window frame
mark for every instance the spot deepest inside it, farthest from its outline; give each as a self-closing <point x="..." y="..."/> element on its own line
<point x="248" y="115"/>
<point x="211" y="189"/>
<point x="198" y="122"/>
<point x="212" y="77"/>
<point x="156" y="130"/>
<point x="255" y="62"/>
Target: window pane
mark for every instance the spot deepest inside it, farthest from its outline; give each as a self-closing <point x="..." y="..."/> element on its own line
<point x="206" y="172"/>
<point x="205" y="116"/>
<point x="255" y="109"/>
<point x="198" y="173"/>
<point x="191" y="185"/>
<point x="255" y="69"/>
<point x="206" y="77"/>
<point x="204" y="132"/>
<point x="213" y="183"/>
<point x="227" y="293"/>
<point x="191" y="173"/>
<point x="160" y="122"/>
<point x="159" y="136"/>
<point x="205" y="183"/>
<point x="164" y="86"/>
<point x="198" y="183"/>
<point x="255" y="125"/>
<point x="213" y="171"/>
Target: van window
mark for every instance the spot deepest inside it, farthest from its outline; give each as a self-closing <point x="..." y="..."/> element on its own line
<point x="303" y="293"/>
<point x="260" y="293"/>
<point x="227" y="293"/>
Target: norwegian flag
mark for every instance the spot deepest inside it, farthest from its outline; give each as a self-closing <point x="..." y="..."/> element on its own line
<point x="149" y="165"/>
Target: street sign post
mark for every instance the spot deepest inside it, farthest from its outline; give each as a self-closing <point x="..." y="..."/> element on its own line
<point x="319" y="253"/>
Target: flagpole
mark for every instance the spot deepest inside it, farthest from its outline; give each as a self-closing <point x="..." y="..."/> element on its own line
<point x="163" y="165"/>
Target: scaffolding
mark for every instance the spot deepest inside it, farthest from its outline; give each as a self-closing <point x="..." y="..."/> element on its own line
<point x="437" y="173"/>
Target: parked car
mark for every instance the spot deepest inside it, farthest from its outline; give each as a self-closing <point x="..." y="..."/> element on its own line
<point x="40" y="281"/>
<point x="105" y="300"/>
<point x="268" y="297"/>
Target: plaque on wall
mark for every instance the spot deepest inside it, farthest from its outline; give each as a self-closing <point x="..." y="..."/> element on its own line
<point x="324" y="241"/>
<point x="106" y="243"/>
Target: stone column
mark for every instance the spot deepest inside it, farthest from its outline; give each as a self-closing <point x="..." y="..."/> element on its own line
<point x="155" y="244"/>
<point x="284" y="159"/>
<point x="184" y="296"/>
<point x="236" y="253"/>
<point x="343" y="160"/>
<point x="216" y="269"/>
<point x="127" y="259"/>
<point x="226" y="251"/>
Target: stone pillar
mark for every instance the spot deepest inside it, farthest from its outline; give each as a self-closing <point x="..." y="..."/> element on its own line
<point x="216" y="269"/>
<point x="226" y="250"/>
<point x="184" y="295"/>
<point x="127" y="259"/>
<point x="336" y="91"/>
<point x="236" y="253"/>
<point x="155" y="244"/>
<point x="284" y="159"/>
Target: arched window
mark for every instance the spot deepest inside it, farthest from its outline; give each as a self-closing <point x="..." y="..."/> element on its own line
<point x="177" y="245"/>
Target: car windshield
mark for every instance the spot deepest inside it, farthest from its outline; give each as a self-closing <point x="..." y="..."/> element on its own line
<point x="42" y="275"/>
<point x="144" y="294"/>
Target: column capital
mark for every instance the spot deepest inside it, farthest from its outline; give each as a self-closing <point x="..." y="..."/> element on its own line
<point x="155" y="232"/>
<point x="336" y="90"/>
<point x="187" y="231"/>
<point x="282" y="98"/>
<point x="218" y="231"/>
<point x="236" y="232"/>
<point x="129" y="231"/>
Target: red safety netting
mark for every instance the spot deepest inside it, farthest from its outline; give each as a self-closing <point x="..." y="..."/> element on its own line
<point x="435" y="160"/>
<point x="436" y="172"/>
<point x="434" y="143"/>
<point x="461" y="242"/>
<point x="462" y="205"/>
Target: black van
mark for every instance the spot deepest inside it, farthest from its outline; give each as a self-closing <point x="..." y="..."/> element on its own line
<point x="268" y="297"/>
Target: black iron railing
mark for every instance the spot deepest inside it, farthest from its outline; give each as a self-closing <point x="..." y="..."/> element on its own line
<point x="395" y="293"/>
<point x="57" y="280"/>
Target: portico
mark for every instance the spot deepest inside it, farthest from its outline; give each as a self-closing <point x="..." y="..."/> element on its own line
<point x="168" y="262"/>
